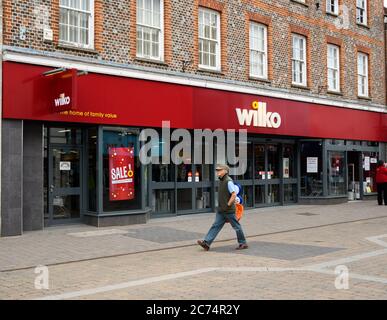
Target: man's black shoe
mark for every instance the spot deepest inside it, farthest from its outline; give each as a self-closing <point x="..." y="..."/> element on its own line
<point x="204" y="245"/>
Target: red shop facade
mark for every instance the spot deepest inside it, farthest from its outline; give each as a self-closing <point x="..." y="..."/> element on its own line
<point x="70" y="149"/>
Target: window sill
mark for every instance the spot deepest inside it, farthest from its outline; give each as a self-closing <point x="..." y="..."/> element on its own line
<point x="337" y="93"/>
<point x="160" y="62"/>
<point x="362" y="25"/>
<point x="335" y="15"/>
<point x="300" y="2"/>
<point x="364" y="98"/>
<point x="259" y="79"/>
<point x="68" y="46"/>
<point x="300" y="86"/>
<point x="210" y="71"/>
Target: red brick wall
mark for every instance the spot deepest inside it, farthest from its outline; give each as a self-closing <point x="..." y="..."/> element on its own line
<point x="115" y="39"/>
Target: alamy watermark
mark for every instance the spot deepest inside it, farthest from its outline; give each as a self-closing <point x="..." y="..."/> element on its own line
<point x="342" y="279"/>
<point x="42" y="279"/>
<point x="202" y="144"/>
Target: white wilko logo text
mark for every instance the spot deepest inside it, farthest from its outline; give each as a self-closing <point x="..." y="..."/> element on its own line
<point x="62" y="100"/>
<point x="258" y="117"/>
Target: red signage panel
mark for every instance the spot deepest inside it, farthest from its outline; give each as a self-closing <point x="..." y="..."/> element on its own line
<point x="121" y="174"/>
<point x="63" y="90"/>
<point x="112" y="100"/>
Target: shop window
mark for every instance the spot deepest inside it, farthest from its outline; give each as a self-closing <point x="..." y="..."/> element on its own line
<point x="273" y="161"/>
<point x="248" y="163"/>
<point x="161" y="172"/>
<point x="45" y="165"/>
<point x="247" y="196"/>
<point x="184" y="199"/>
<point x="273" y="194"/>
<point x="203" y="198"/>
<point x="336" y="175"/>
<point x="370" y="160"/>
<point x="290" y="193"/>
<point x="288" y="161"/>
<point x="311" y="169"/>
<point x="353" y="143"/>
<point x="203" y="170"/>
<point x="121" y="170"/>
<point x="335" y="142"/>
<point x="70" y="136"/>
<point x="259" y="156"/>
<point x="163" y="201"/>
<point x="259" y="195"/>
<point x="92" y="169"/>
<point x="184" y="173"/>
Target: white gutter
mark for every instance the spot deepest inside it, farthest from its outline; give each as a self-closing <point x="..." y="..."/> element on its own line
<point x="100" y="68"/>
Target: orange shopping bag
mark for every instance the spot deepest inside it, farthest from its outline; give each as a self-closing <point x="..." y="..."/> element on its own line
<point x="239" y="211"/>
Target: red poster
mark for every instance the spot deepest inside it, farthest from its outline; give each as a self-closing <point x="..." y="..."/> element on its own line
<point x="121" y="168"/>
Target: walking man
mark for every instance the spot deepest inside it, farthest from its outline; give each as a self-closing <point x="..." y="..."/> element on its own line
<point x="226" y="210"/>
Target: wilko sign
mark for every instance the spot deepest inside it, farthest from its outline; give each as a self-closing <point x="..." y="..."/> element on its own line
<point x="121" y="168"/>
<point x="258" y="116"/>
<point x="63" y="90"/>
<point x="62" y="100"/>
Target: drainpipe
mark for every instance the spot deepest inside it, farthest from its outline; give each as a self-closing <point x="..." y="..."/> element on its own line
<point x="1" y="93"/>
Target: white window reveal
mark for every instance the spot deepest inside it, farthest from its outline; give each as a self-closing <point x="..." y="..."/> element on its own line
<point x="150" y="29"/>
<point x="298" y="60"/>
<point x="333" y="54"/>
<point x="333" y="6"/>
<point x="209" y="39"/>
<point x="76" y="23"/>
<point x="258" y="50"/>
<point x="362" y="74"/>
<point x="361" y="11"/>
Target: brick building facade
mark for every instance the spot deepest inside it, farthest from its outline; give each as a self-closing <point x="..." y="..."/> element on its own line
<point x="116" y="36"/>
<point x="115" y="39"/>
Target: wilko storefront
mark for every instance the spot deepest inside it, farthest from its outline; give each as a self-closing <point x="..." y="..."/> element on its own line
<point x="71" y="145"/>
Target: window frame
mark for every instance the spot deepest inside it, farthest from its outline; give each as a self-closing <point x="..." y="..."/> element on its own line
<point x="218" y="41"/>
<point x="264" y="52"/>
<point x="337" y="70"/>
<point x="365" y="13"/>
<point x="304" y="61"/>
<point x="91" y="23"/>
<point x="160" y="30"/>
<point x="329" y="6"/>
<point x="363" y="76"/>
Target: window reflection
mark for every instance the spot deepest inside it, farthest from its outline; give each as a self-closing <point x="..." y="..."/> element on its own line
<point x="370" y="160"/>
<point x="311" y="169"/>
<point x="272" y="161"/>
<point x="288" y="161"/>
<point x="336" y="167"/>
<point x="66" y="136"/>
<point x="259" y="156"/>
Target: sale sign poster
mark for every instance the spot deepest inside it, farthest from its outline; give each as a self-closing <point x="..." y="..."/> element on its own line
<point x="121" y="168"/>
